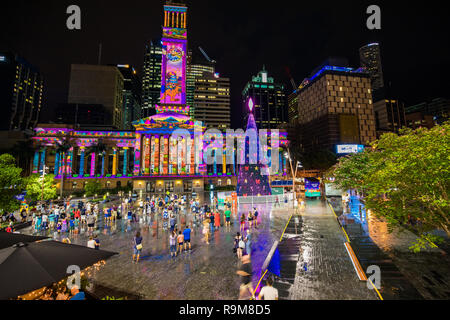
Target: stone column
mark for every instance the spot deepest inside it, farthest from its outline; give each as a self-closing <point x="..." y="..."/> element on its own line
<point x="125" y="160"/>
<point x="57" y="157"/>
<point x="114" y="167"/>
<point x="81" y="172"/>
<point x="92" y="173"/>
<point x="36" y="162"/>
<point x="137" y="155"/>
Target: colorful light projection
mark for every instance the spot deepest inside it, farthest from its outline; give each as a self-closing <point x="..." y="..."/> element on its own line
<point x="173" y="82"/>
<point x="175" y="33"/>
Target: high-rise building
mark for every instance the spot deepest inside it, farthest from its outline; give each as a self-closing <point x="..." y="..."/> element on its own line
<point x="151" y="78"/>
<point x="83" y="116"/>
<point x="389" y="116"/>
<point x="293" y="108"/>
<point x="370" y="59"/>
<point x="195" y="70"/>
<point x="269" y="100"/>
<point x="335" y="107"/>
<point x="131" y="96"/>
<point x="21" y="87"/>
<point x="438" y="108"/>
<point x="97" y="84"/>
<point x="212" y="101"/>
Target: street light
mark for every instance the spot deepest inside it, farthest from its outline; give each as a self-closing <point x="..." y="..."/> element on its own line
<point x="44" y="168"/>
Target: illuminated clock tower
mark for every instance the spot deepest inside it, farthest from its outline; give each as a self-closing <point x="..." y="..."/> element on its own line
<point x="174" y="56"/>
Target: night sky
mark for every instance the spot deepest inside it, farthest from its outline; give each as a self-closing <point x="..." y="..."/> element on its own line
<point x="241" y="36"/>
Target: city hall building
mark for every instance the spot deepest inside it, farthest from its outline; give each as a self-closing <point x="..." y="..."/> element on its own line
<point x="149" y="158"/>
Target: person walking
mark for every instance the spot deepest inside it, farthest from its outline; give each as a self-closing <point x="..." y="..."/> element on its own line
<point x="137" y="247"/>
<point x="206" y="230"/>
<point x="245" y="272"/>
<point x="268" y="292"/>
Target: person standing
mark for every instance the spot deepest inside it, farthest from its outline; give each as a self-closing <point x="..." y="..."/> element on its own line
<point x="255" y="215"/>
<point x="137" y="247"/>
<point x="187" y="237"/>
<point x="237" y="239"/>
<point x="173" y="244"/>
<point x="242" y="227"/>
<point x="248" y="243"/>
<point x="228" y="217"/>
<point x="217" y="220"/>
<point x="180" y="240"/>
<point x="250" y="219"/>
<point x="268" y="292"/>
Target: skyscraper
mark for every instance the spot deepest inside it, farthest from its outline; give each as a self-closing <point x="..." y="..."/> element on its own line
<point x="195" y="70"/>
<point x="21" y="87"/>
<point x="151" y="78"/>
<point x="389" y="116"/>
<point x="370" y="58"/>
<point x="269" y="99"/>
<point x="212" y="101"/>
<point x="97" y="84"/>
<point x="131" y="96"/>
<point x="335" y="107"/>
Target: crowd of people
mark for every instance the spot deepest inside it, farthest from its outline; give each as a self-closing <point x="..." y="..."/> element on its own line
<point x="167" y="212"/>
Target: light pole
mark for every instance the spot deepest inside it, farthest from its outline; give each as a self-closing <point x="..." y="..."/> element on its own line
<point x="44" y="168"/>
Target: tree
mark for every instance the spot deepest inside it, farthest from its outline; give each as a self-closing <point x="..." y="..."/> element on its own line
<point x="36" y="188"/>
<point x="405" y="180"/>
<point x="93" y="187"/>
<point x="11" y="183"/>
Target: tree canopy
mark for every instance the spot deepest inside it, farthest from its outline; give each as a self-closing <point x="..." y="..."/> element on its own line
<point x="35" y="187"/>
<point x="405" y="180"/>
<point x="11" y="183"/>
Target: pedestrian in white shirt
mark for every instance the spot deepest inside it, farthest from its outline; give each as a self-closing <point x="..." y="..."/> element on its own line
<point x="268" y="292"/>
<point x="91" y="243"/>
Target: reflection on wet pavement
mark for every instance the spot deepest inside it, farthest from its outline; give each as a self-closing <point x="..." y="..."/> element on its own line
<point x="207" y="272"/>
<point x="324" y="270"/>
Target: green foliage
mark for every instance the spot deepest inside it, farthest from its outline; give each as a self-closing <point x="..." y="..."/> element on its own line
<point x="112" y="298"/>
<point x="11" y="183"/>
<point x="35" y="187"/>
<point x="93" y="187"/>
<point x="405" y="180"/>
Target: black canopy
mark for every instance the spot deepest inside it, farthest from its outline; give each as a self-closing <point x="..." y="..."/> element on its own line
<point x="10" y="239"/>
<point x="28" y="267"/>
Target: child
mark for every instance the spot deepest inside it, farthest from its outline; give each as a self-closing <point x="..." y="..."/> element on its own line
<point x="180" y="240"/>
<point x="58" y="227"/>
<point x="71" y="225"/>
<point x="242" y="228"/>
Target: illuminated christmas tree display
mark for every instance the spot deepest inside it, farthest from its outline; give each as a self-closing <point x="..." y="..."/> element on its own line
<point x="251" y="182"/>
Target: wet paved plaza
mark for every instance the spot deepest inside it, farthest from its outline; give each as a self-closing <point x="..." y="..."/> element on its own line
<point x="207" y="272"/>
